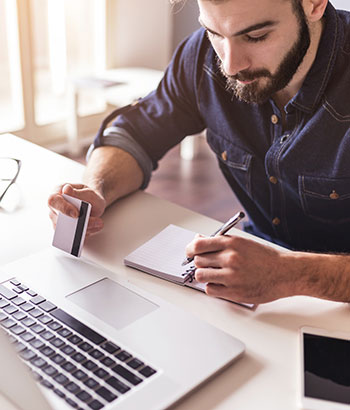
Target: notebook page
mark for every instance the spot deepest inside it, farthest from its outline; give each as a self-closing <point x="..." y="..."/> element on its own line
<point x="163" y="254"/>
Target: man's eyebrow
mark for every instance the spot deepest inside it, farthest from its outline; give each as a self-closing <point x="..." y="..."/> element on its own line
<point x="254" y="27"/>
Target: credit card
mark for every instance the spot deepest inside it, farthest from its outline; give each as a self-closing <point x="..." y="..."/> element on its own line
<point x="70" y="232"/>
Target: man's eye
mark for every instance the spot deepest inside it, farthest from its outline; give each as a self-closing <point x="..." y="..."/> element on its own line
<point x="256" y="39"/>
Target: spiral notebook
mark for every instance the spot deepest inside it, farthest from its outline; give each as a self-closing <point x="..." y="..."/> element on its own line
<point x="163" y="255"/>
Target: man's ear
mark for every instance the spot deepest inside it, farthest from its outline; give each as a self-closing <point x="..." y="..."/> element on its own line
<point x="314" y="9"/>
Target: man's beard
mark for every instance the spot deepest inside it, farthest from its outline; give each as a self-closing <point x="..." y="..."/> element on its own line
<point x="252" y="93"/>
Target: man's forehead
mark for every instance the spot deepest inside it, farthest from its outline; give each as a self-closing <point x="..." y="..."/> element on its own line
<point x="244" y="5"/>
<point x="241" y="13"/>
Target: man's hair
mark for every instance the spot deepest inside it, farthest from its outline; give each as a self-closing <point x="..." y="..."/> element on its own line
<point x="296" y="3"/>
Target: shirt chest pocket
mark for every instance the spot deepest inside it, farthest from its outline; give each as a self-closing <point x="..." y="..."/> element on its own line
<point x="234" y="161"/>
<point x="325" y="199"/>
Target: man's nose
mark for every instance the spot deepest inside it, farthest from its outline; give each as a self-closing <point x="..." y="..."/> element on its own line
<point x="234" y="58"/>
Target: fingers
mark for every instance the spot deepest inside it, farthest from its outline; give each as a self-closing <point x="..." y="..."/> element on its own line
<point x="200" y="245"/>
<point x="57" y="203"/>
<point x="220" y="291"/>
<point x="81" y="192"/>
<point x="212" y="259"/>
<point x="238" y="269"/>
<point x="216" y="290"/>
<point x="212" y="275"/>
<point x="53" y="217"/>
<point x="95" y="224"/>
<point x="87" y="194"/>
<point x="214" y="252"/>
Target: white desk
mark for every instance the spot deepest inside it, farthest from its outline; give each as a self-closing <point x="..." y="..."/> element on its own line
<point x="267" y="375"/>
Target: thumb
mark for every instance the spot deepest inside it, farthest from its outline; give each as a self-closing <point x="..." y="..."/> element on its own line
<point x="76" y="191"/>
<point x="86" y="194"/>
<point x="68" y="190"/>
<point x="198" y="235"/>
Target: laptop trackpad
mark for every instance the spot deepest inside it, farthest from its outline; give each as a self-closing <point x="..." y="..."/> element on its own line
<point x="112" y="303"/>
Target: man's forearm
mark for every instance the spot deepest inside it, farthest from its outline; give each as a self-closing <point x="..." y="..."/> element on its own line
<point x="113" y="172"/>
<point x="324" y="276"/>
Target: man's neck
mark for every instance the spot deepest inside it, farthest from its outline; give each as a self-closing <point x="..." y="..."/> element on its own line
<point x="282" y="97"/>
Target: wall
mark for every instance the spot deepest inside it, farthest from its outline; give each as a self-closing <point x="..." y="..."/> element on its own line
<point x="147" y="27"/>
<point x="153" y="29"/>
<point x="185" y="21"/>
<point x="341" y="4"/>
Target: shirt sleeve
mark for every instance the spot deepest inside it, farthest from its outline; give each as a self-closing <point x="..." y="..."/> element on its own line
<point x="164" y="117"/>
<point x="120" y="138"/>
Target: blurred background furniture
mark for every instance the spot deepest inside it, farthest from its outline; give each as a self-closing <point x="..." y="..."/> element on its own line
<point x="118" y="87"/>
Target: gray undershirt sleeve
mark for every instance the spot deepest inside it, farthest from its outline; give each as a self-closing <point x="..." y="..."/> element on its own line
<point x="118" y="137"/>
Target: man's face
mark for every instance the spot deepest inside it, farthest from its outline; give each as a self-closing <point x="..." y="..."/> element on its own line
<point x="260" y="44"/>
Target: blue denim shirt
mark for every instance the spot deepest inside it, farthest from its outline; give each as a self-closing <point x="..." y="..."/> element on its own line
<point x="294" y="182"/>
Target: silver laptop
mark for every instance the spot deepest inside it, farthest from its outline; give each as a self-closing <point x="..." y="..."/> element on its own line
<point x="87" y="341"/>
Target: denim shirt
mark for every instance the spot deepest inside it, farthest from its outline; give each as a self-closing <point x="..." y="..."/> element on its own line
<point x="293" y="181"/>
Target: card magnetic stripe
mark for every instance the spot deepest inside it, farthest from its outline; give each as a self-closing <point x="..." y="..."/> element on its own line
<point x="80" y="228"/>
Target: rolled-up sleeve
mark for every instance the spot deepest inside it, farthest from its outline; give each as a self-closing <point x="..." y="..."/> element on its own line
<point x="120" y="138"/>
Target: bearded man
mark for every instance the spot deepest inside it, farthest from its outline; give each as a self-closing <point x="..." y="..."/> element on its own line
<point x="269" y="81"/>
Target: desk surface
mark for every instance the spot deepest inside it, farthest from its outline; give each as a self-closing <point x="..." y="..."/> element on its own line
<point x="267" y="376"/>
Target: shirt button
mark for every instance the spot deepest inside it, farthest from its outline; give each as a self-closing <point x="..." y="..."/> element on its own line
<point x="224" y="155"/>
<point x="276" y="221"/>
<point x="284" y="138"/>
<point x="273" y="180"/>
<point x="334" y="195"/>
<point x="274" y="119"/>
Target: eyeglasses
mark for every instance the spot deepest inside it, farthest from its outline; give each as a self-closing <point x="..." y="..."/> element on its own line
<point x="9" y="170"/>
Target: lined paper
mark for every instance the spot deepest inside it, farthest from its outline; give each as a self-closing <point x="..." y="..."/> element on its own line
<point x="163" y="254"/>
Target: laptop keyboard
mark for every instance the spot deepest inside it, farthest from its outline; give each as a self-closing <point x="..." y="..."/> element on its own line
<point x="71" y="359"/>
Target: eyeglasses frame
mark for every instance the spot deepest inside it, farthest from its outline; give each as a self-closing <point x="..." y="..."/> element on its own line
<point x="12" y="180"/>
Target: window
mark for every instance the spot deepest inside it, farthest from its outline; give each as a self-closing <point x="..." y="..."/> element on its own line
<point x="44" y="46"/>
<point x="65" y="46"/>
<point x="47" y="45"/>
<point x="11" y="102"/>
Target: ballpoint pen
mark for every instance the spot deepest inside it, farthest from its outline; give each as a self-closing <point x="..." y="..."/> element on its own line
<point x="222" y="230"/>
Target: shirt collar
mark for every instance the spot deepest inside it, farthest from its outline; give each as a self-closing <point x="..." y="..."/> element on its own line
<point x="314" y="85"/>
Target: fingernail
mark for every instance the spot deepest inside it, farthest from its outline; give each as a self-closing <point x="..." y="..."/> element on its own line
<point x="66" y="188"/>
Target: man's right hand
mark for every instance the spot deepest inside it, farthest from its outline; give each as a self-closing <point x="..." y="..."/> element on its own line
<point x="57" y="204"/>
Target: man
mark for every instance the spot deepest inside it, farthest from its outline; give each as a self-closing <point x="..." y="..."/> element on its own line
<point x="270" y="81"/>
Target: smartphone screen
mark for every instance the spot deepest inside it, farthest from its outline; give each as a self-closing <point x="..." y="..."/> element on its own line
<point x="326" y="368"/>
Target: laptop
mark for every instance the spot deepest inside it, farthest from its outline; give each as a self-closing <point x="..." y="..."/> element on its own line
<point x="74" y="336"/>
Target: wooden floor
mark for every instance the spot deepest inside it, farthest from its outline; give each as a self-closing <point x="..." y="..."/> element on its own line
<point x="196" y="184"/>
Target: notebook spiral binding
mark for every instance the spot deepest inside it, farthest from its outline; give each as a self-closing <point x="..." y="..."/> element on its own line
<point x="190" y="274"/>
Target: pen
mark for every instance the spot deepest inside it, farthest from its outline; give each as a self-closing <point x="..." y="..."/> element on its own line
<point x="222" y="230"/>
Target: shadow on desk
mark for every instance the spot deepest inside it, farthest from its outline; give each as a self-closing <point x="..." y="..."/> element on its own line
<point x="223" y="385"/>
<point x="305" y="311"/>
